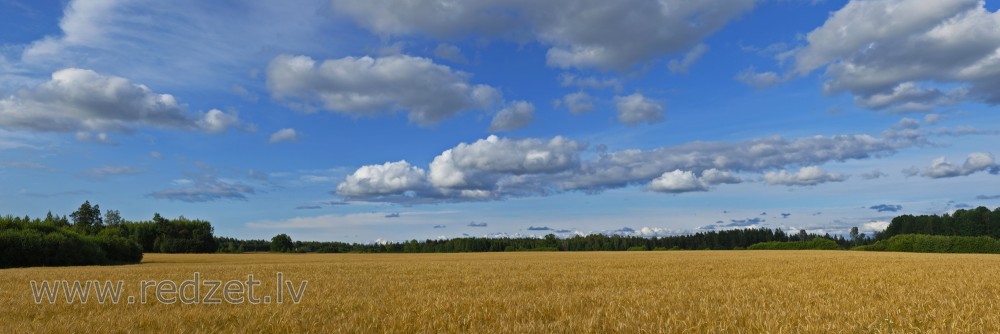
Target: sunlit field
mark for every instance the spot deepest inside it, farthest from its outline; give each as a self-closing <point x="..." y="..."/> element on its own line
<point x="601" y="292"/>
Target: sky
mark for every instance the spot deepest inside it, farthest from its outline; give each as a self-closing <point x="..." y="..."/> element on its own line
<point x="377" y="120"/>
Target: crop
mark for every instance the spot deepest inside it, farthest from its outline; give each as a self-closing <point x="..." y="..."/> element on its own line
<point x="519" y="292"/>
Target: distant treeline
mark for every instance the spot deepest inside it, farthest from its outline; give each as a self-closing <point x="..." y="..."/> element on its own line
<point x="974" y="222"/>
<point x="718" y="240"/>
<point x="88" y="237"/>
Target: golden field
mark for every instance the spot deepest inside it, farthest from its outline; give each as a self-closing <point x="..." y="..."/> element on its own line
<point x="587" y="292"/>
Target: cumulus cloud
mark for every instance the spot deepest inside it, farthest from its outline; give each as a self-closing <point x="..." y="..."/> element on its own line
<point x="284" y="135"/>
<point x="975" y="162"/>
<point x="475" y="224"/>
<point x="79" y="100"/>
<point x="579" y="34"/>
<point x="691" y="57"/>
<point x="578" y="103"/>
<point x="806" y="176"/>
<point x="634" y="109"/>
<point x="366" y="86"/>
<point x="515" y="116"/>
<point x="206" y="189"/>
<point x="900" y="55"/>
<point x="481" y="164"/>
<point x="886" y="207"/>
<point x="385" y="179"/>
<point x="539" y="228"/>
<point x="497" y="168"/>
<point x="679" y="181"/>
<point x="988" y="197"/>
<point x="216" y="121"/>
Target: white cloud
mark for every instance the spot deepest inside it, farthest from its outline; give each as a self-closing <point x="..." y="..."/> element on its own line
<point x="579" y="34"/>
<point x="365" y="86"/>
<point x="515" y="116"/>
<point x="691" y="57"/>
<point x="216" y="121"/>
<point x="284" y="135"/>
<point x="450" y="53"/>
<point x="806" y="176"/>
<point x="497" y="168"/>
<point x="183" y="44"/>
<point x="481" y="164"/>
<point x="634" y="109"/>
<point x="78" y="100"/>
<point x="677" y="181"/>
<point x="386" y="179"/>
<point x="908" y="97"/>
<point x="578" y="102"/>
<point x="975" y="162"/>
<point x="898" y="54"/>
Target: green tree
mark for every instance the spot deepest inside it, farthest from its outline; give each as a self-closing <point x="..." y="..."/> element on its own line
<point x="282" y="243"/>
<point x="87" y="219"/>
<point x="112" y="218"/>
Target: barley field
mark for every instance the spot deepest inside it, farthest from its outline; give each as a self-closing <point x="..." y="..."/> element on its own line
<point x="599" y="292"/>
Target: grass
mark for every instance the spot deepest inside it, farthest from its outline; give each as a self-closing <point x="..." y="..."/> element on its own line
<point x="599" y="292"/>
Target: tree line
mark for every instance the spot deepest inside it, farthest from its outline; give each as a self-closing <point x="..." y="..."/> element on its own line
<point x="88" y="237"/>
<point x="972" y="222"/>
<point x="708" y="240"/>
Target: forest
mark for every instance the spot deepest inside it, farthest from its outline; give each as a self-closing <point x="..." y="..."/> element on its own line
<point x="89" y="237"/>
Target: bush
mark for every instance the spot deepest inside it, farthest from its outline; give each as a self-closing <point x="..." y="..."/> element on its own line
<point x="637" y="249"/>
<point x="922" y="243"/>
<point x="817" y="243"/>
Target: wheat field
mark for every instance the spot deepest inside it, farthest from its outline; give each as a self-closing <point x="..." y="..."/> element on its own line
<point x="587" y="292"/>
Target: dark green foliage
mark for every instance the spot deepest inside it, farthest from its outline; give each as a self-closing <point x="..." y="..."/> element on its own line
<point x="816" y="243"/>
<point x="975" y="222"/>
<point x="282" y="243"/>
<point x="232" y="245"/>
<point x="163" y="235"/>
<point x="922" y="243"/>
<point x="638" y="249"/>
<point x="87" y="219"/>
<point x="728" y="239"/>
<point x="26" y="243"/>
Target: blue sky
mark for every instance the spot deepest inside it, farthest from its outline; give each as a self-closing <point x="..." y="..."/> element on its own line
<point x="369" y="120"/>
